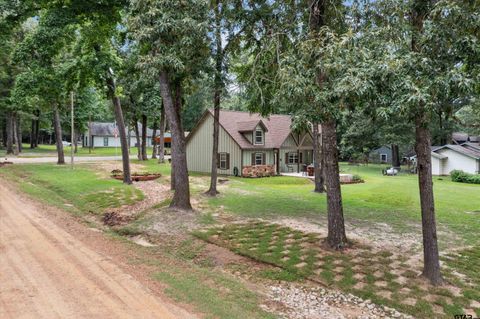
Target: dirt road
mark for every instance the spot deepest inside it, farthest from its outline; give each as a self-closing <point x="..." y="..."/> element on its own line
<point x="45" y="272"/>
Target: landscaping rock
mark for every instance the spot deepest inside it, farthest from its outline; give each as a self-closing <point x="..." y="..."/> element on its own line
<point x="258" y="171"/>
<point x="314" y="302"/>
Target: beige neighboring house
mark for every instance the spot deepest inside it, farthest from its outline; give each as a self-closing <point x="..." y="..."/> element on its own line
<point x="249" y="140"/>
<point x="465" y="157"/>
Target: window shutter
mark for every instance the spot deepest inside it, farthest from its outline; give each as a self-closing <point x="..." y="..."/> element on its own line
<point x="253" y="158"/>
<point x="228" y="160"/>
<point x="301" y="157"/>
<point x="286" y="158"/>
<point x="263" y="159"/>
<point x="218" y="160"/>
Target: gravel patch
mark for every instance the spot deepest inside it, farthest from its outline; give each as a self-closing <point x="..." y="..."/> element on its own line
<point x="296" y="302"/>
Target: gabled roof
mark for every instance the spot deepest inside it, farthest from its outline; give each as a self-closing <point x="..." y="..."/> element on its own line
<point x="459" y="137"/>
<point x="462" y="150"/>
<point x="250" y="126"/>
<point x="278" y="127"/>
<point x="108" y="129"/>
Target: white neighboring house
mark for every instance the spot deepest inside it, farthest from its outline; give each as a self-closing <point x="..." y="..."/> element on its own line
<point x="465" y="157"/>
<point x="106" y="135"/>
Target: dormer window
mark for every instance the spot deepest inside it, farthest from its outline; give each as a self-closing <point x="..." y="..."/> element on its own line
<point x="258" y="136"/>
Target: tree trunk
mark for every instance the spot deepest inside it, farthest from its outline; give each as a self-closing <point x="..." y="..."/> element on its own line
<point x="395" y="155"/>
<point x="144" y="138"/>
<point x="4" y="131"/>
<point x="37" y="128"/>
<point x="58" y="135"/>
<point x="154" y="142"/>
<point x="181" y="198"/>
<point x="336" y="238"/>
<point x="18" y="127"/>
<point x="127" y="179"/>
<point x="9" y="133"/>
<point x="75" y="141"/>
<point x="137" y="138"/>
<point x="212" y="191"/>
<point x="161" y="138"/>
<point x="32" y="134"/>
<point x="16" y="149"/>
<point x="318" y="159"/>
<point x="431" y="268"/>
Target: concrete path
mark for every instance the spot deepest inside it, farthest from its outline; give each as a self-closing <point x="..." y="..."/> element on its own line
<point x="53" y="159"/>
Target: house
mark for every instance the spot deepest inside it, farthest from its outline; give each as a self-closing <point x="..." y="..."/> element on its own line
<point x="465" y="157"/>
<point x="106" y="135"/>
<point x="460" y="138"/>
<point x="382" y="154"/>
<point x="249" y="145"/>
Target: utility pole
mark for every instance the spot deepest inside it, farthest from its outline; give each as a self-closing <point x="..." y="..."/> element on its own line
<point x="73" y="128"/>
<point x="90" y="140"/>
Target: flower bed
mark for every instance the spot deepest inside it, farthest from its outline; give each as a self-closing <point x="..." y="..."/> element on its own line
<point x="258" y="171"/>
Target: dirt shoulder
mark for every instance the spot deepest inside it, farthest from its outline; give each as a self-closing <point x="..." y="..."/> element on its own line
<point x="52" y="266"/>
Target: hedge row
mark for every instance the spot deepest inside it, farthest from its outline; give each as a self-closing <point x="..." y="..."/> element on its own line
<point x="462" y="177"/>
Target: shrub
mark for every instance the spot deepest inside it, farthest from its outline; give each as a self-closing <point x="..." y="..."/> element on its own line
<point x="357" y="178"/>
<point x="463" y="177"/>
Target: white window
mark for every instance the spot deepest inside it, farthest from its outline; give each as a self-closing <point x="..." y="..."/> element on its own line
<point x="383" y="158"/>
<point x="293" y="158"/>
<point x="223" y="159"/>
<point x="258" y="136"/>
<point x="258" y="158"/>
<point x="105" y="141"/>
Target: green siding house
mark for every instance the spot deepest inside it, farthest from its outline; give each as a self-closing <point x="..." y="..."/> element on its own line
<point x="249" y="142"/>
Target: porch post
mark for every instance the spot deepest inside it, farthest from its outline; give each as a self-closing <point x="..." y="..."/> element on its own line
<point x="298" y="160"/>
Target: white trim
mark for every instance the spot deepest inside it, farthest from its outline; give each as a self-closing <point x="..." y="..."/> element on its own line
<point x="255" y="137"/>
<point x="261" y="158"/>
<point x="224" y="160"/>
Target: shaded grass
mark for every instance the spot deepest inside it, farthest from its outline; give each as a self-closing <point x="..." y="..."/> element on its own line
<point x="79" y="190"/>
<point x="383" y="199"/>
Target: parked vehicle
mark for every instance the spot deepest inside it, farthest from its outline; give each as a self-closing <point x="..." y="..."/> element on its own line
<point x="390" y="171"/>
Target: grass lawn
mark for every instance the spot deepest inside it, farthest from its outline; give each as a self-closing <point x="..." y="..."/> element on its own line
<point x="79" y="190"/>
<point x="83" y="192"/>
<point x="380" y="276"/>
<point x="50" y="150"/>
<point x="393" y="200"/>
<point x="383" y="276"/>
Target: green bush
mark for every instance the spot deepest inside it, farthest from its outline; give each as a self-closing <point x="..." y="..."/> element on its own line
<point x="357" y="178"/>
<point x="463" y="177"/>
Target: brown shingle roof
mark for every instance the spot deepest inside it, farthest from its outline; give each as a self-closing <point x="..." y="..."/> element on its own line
<point x="278" y="127"/>
<point x="249" y="126"/>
